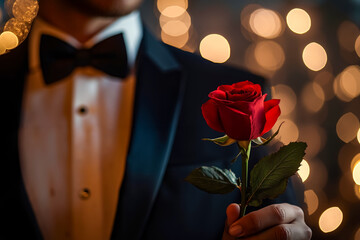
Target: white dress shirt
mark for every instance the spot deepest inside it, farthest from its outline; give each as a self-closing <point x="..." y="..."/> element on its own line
<point x="74" y="138"/>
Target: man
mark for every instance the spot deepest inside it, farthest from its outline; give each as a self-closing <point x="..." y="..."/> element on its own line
<point x="94" y="155"/>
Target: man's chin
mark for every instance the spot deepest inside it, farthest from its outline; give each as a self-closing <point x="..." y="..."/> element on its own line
<point x="106" y="8"/>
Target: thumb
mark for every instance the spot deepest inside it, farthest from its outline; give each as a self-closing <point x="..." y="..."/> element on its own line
<point x="232" y="213"/>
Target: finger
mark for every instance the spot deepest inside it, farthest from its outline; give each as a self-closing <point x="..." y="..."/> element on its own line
<point x="264" y="218"/>
<point x="232" y="213"/>
<point x="298" y="231"/>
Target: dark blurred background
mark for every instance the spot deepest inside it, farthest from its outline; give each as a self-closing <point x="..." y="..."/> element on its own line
<point x="310" y="52"/>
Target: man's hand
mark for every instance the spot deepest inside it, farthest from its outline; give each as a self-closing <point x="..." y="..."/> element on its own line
<point x="277" y="221"/>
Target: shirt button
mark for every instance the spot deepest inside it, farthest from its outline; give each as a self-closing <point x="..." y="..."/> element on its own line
<point x="84" y="194"/>
<point x="83" y="110"/>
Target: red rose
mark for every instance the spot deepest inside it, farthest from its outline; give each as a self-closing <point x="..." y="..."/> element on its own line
<point x="240" y="111"/>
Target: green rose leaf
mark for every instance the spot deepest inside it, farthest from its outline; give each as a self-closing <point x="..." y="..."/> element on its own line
<point x="269" y="177"/>
<point x="213" y="179"/>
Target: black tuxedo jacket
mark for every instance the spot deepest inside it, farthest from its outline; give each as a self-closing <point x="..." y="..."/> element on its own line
<point x="154" y="200"/>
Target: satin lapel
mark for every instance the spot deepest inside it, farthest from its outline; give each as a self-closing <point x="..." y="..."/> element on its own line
<point x="15" y="206"/>
<point x="158" y="101"/>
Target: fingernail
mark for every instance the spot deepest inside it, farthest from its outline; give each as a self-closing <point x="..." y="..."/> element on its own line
<point x="236" y="230"/>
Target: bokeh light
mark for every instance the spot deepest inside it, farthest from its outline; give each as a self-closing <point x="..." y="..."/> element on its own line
<point x="269" y="55"/>
<point x="178" y="41"/>
<point x="184" y="18"/>
<point x="25" y="10"/>
<point x="164" y="4"/>
<point x="289" y="131"/>
<point x="356" y="173"/>
<point x="314" y="56"/>
<point x="304" y="170"/>
<point x="347" y="127"/>
<point x="358" y="135"/>
<point x="357" y="46"/>
<point x="313" y="97"/>
<point x="347" y="83"/>
<point x="347" y="34"/>
<point x="330" y="219"/>
<point x="215" y="48"/>
<point x="265" y="23"/>
<point x="175" y="28"/>
<point x="298" y="21"/>
<point x="287" y="96"/>
<point x="175" y="23"/>
<point x="311" y="200"/>
<point x="8" y="40"/>
<point x="173" y="11"/>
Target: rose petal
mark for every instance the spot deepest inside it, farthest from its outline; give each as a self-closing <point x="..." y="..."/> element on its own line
<point x="243" y="120"/>
<point x="218" y="94"/>
<point x="241" y="84"/>
<point x="236" y="124"/>
<point x="272" y="113"/>
<point x="210" y="113"/>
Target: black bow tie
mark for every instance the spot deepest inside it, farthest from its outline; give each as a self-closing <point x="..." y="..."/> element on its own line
<point x="58" y="59"/>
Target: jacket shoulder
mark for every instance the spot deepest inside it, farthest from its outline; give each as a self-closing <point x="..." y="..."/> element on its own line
<point x="198" y="67"/>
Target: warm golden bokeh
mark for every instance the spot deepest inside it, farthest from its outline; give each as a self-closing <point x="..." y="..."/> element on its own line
<point x="265" y="23"/>
<point x="184" y="18"/>
<point x="358" y="135"/>
<point x="287" y="96"/>
<point x="313" y="97"/>
<point x="19" y="28"/>
<point x="304" y="170"/>
<point x="163" y="4"/>
<point x="347" y="127"/>
<point x="357" y="46"/>
<point x="356" y="172"/>
<point x="314" y="56"/>
<point x="298" y="21"/>
<point x="289" y="131"/>
<point x="175" y="23"/>
<point x="173" y="11"/>
<point x="330" y="219"/>
<point x="178" y="41"/>
<point x="8" y="41"/>
<point x="349" y="83"/>
<point x="175" y="28"/>
<point x="269" y="55"/>
<point x="25" y="10"/>
<point x="311" y="200"/>
<point x="347" y="34"/>
<point x="215" y="48"/>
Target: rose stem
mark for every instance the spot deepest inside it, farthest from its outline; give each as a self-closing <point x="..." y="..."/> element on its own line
<point x="245" y="154"/>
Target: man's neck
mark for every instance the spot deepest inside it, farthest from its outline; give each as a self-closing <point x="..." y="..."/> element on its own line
<point x="63" y="17"/>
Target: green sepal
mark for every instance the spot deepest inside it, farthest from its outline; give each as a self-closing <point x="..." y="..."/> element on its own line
<point x="222" y="141"/>
<point x="269" y="177"/>
<point x="260" y="141"/>
<point x="213" y="179"/>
